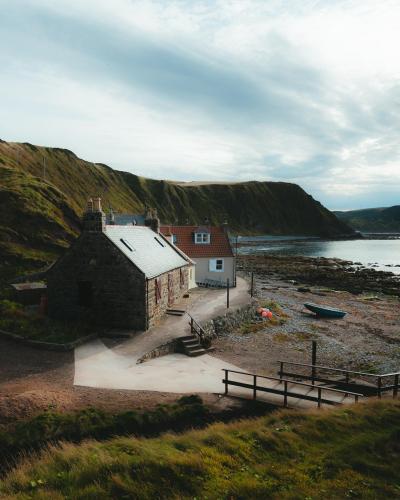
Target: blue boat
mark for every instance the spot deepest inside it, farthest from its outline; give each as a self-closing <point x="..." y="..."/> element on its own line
<point x="325" y="311"/>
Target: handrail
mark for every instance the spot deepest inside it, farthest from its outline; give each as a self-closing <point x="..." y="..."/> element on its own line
<point x="321" y="367"/>
<point x="294" y="382"/>
<point x="193" y="323"/>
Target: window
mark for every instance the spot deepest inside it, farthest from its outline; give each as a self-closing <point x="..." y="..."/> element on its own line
<point x="85" y="293"/>
<point x="159" y="242"/>
<point x="174" y="239"/>
<point x="216" y="265"/>
<point x="126" y="244"/>
<point x="202" y="238"/>
<point x="182" y="277"/>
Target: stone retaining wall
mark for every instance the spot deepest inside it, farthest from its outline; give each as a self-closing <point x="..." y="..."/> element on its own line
<point x="162" y="350"/>
<point x="229" y="321"/>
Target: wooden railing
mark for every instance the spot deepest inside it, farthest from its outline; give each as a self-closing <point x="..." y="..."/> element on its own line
<point x="287" y="391"/>
<point x="376" y="389"/>
<point x="196" y="328"/>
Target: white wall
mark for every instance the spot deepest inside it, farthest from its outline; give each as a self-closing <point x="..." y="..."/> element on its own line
<point x="203" y="270"/>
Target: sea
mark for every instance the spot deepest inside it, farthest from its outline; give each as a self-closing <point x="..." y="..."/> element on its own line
<point x="381" y="254"/>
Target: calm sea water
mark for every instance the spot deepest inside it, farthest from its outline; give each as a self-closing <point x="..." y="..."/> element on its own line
<point x="381" y="254"/>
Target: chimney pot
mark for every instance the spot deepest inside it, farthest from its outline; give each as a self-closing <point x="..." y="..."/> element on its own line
<point x="97" y="204"/>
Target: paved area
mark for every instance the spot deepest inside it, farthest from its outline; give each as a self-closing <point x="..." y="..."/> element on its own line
<point x="100" y="367"/>
<point x="113" y="365"/>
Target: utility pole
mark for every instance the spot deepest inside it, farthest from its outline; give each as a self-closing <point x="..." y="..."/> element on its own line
<point x="227" y="293"/>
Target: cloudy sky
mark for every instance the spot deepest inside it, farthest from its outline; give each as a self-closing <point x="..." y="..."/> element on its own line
<point x="302" y="91"/>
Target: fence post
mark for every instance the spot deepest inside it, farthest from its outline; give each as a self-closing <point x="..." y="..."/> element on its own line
<point x="379" y="387"/>
<point x="227" y="293"/>
<point x="285" y="395"/>
<point x="396" y="385"/>
<point x="252" y="284"/>
<point x="254" y="388"/>
<point x="319" y="397"/>
<point x="226" y="382"/>
<point x="191" y="325"/>
<point x="313" y="360"/>
<point x="281" y="372"/>
<point x="356" y="398"/>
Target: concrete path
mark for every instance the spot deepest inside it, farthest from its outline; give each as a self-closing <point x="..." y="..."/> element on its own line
<point x="115" y="368"/>
<point x="100" y="367"/>
<point x="97" y="366"/>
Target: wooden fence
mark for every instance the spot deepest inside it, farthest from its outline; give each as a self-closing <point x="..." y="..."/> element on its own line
<point x="287" y="391"/>
<point x="376" y="387"/>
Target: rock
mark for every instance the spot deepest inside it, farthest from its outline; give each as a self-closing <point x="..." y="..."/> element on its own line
<point x="304" y="289"/>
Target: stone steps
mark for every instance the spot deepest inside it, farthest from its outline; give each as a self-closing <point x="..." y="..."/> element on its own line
<point x="191" y="346"/>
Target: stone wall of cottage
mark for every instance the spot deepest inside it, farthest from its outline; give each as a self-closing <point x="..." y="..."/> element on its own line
<point x="158" y="307"/>
<point x="118" y="287"/>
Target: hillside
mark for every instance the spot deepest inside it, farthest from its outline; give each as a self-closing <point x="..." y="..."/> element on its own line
<point x="43" y="192"/>
<point x="343" y="453"/>
<point x="379" y="220"/>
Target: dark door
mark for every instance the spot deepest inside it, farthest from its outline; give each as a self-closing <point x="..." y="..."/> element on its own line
<point x="85" y="293"/>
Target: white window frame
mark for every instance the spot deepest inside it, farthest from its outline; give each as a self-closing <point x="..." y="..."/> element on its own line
<point x="213" y="263"/>
<point x="202" y="238"/>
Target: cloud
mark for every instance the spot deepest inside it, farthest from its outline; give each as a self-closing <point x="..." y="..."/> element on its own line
<point x="212" y="90"/>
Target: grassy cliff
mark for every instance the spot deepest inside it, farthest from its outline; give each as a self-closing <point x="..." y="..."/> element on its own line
<point x="343" y="453"/>
<point x="379" y="220"/>
<point x="43" y="192"/>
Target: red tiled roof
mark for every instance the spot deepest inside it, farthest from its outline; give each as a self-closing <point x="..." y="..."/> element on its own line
<point x="219" y="245"/>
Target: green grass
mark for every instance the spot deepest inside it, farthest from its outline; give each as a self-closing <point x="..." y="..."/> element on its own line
<point x="343" y="453"/>
<point x="15" y="318"/>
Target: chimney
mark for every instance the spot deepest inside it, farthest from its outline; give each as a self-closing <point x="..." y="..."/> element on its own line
<point x="152" y="221"/>
<point x="225" y="226"/>
<point x="94" y="219"/>
<point x="112" y="217"/>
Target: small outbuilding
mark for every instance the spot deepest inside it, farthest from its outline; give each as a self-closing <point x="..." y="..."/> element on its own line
<point x="118" y="276"/>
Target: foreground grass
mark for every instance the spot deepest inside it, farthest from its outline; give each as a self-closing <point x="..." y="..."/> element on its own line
<point x="342" y="453"/>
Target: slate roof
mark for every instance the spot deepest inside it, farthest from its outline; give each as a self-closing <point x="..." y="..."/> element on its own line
<point x="127" y="219"/>
<point x="219" y="245"/>
<point x="150" y="252"/>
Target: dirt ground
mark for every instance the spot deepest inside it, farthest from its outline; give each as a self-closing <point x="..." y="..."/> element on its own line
<point x="367" y="339"/>
<point x="32" y="380"/>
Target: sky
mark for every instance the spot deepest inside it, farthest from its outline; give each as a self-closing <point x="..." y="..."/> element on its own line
<point x="301" y="91"/>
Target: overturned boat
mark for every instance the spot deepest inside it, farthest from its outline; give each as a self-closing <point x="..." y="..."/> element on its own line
<point x="325" y="311"/>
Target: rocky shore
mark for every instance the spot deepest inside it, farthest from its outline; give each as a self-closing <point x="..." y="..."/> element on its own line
<point x="367" y="339"/>
<point x="335" y="274"/>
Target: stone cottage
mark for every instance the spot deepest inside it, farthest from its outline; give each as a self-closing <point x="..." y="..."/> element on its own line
<point x="117" y="276"/>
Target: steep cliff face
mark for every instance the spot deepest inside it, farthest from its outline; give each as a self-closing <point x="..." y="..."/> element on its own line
<point x="43" y="192"/>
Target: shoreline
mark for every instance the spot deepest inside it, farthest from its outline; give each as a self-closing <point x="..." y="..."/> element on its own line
<point x="333" y="273"/>
<point x="367" y="339"/>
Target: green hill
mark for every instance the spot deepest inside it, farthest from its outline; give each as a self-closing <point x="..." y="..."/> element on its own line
<point x="348" y="452"/>
<point x="43" y="192"/>
<point x="369" y="220"/>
